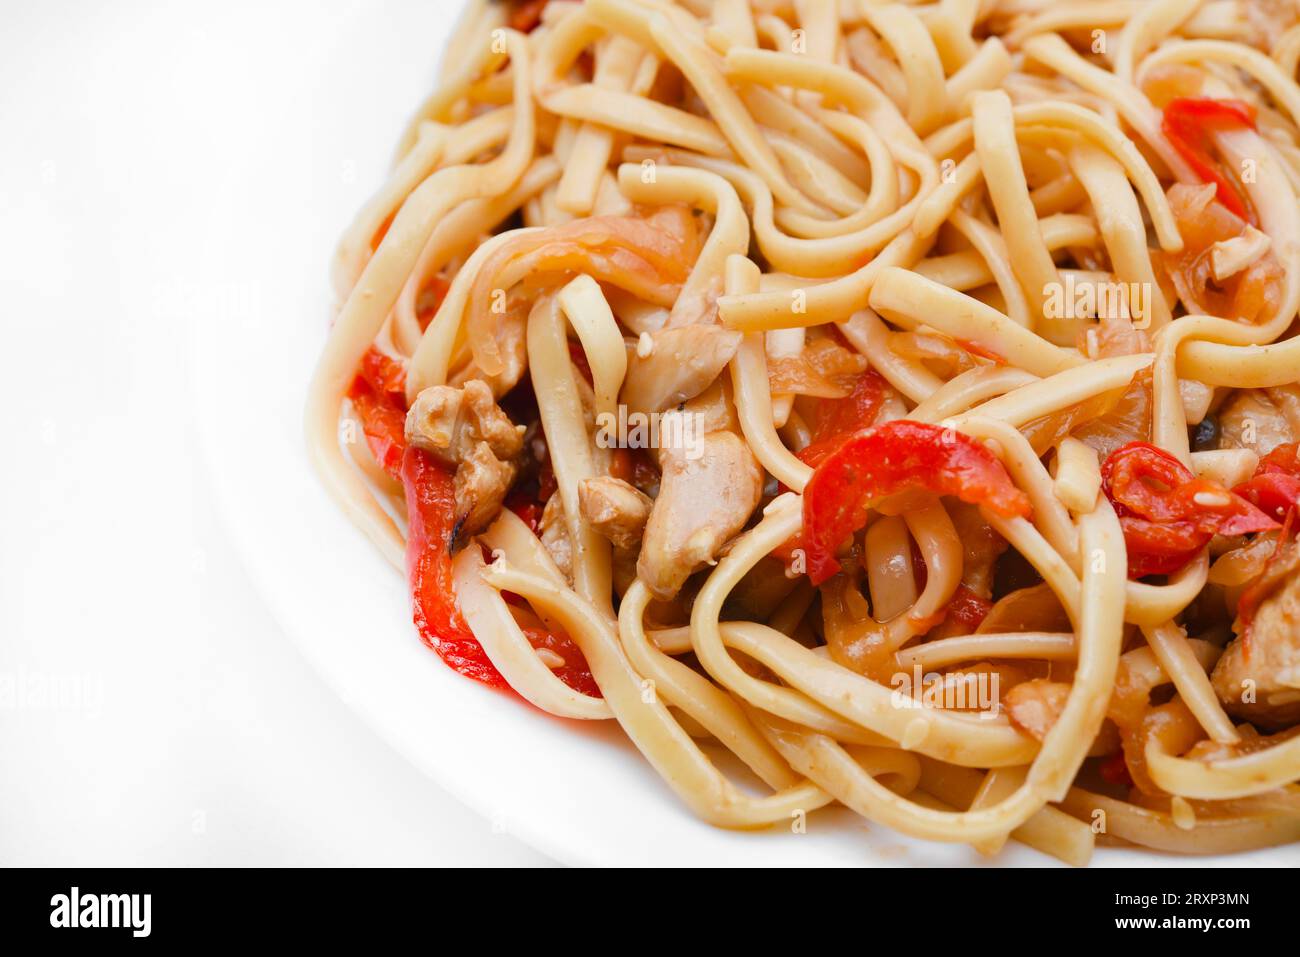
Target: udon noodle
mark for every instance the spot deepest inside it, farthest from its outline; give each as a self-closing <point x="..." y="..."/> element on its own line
<point x="902" y="397"/>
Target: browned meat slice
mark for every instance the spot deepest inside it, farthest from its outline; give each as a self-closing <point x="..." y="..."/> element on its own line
<point x="678" y="365"/>
<point x="464" y="429"/>
<point x="615" y="509"/>
<point x="1259" y="419"/>
<point x="703" y="501"/>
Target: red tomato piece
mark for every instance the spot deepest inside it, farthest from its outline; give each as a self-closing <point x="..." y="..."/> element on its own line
<point x="899" y="455"/>
<point x="1167" y="514"/>
<point x="1275" y="486"/>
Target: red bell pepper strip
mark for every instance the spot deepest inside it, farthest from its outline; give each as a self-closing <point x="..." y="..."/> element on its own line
<point x="575" y="672"/>
<point x="839" y="418"/>
<point x="894" y="457"/>
<point x="1275" y="486"/>
<point x="1167" y="514"/>
<point x="835" y="421"/>
<point x="1188" y="123"/>
<point x="378" y="395"/>
<point x="431" y="530"/>
<point x="965" y="609"/>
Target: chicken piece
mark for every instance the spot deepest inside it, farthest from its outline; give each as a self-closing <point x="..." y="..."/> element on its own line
<point x="1258" y="676"/>
<point x="703" y="501"/>
<point x="463" y="429"/>
<point x="1035" y="706"/>
<point x="554" y="533"/>
<point x="481" y="483"/>
<point x="710" y="411"/>
<point x="698" y="308"/>
<point x="680" y="364"/>
<point x="1251" y="741"/>
<point x="633" y="314"/>
<point x="1252" y="419"/>
<point x="1287" y="400"/>
<point x="447" y="422"/>
<point x="615" y="509"/>
<point x="618" y="511"/>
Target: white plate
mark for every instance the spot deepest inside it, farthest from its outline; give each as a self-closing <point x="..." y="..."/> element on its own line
<point x="316" y="147"/>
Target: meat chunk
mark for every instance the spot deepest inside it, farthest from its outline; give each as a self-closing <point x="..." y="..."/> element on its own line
<point x="679" y="364"/>
<point x="704" y="500"/>
<point x="481" y="483"/>
<point x="615" y="509"/>
<point x="618" y="511"/>
<point x="1259" y="419"/>
<point x="1258" y="676"/>
<point x="463" y="429"/>
<point x="448" y="422"/>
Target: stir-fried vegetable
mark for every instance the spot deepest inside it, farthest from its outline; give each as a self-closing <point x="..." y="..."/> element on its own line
<point x="898" y="456"/>
<point x="1251" y="295"/>
<point x="839" y="418"/>
<point x="379" y="398"/>
<point x="1188" y="123"/>
<point x="647" y="256"/>
<point x="1275" y="486"/>
<point x="1167" y="514"/>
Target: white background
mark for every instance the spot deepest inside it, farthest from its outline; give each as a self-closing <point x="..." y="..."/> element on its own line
<point x="151" y="710"/>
